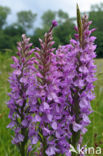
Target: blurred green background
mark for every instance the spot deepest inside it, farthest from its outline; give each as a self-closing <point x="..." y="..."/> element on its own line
<point x="25" y="23"/>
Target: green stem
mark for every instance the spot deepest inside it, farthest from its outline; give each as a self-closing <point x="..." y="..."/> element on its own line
<point x="43" y="141"/>
<point x="44" y="147"/>
<point x="22" y="149"/>
<point x="75" y="139"/>
<point x="76" y="111"/>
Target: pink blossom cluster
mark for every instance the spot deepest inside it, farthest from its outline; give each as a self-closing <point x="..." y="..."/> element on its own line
<point x="51" y="91"/>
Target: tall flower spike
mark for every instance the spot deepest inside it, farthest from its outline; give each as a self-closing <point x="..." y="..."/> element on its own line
<point x="45" y="91"/>
<point x="82" y="85"/>
<point x="75" y="61"/>
<point x="18" y="103"/>
<point x="47" y="105"/>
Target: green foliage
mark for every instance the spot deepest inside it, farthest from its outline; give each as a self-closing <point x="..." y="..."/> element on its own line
<point x="4" y="11"/>
<point x="26" y="19"/>
<point x="14" y="29"/>
<point x="64" y="32"/>
<point x="3" y="41"/>
<point x="47" y="18"/>
<point x="62" y="16"/>
<point x="96" y="15"/>
<point x="5" y="135"/>
<point x="10" y="34"/>
<point x="94" y="136"/>
<point x="99" y="43"/>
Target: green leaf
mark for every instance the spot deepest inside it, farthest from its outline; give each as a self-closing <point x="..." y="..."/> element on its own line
<point x="79" y="23"/>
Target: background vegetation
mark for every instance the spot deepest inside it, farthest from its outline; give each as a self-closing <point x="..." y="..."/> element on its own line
<point x="11" y="33"/>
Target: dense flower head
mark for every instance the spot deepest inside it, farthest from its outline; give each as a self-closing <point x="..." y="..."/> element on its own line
<point x="84" y="74"/>
<point x="51" y="91"/>
<point x="47" y="104"/>
<point x="78" y="73"/>
<point x="19" y="82"/>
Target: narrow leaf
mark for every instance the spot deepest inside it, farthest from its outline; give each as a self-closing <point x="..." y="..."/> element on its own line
<point x="79" y="23"/>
